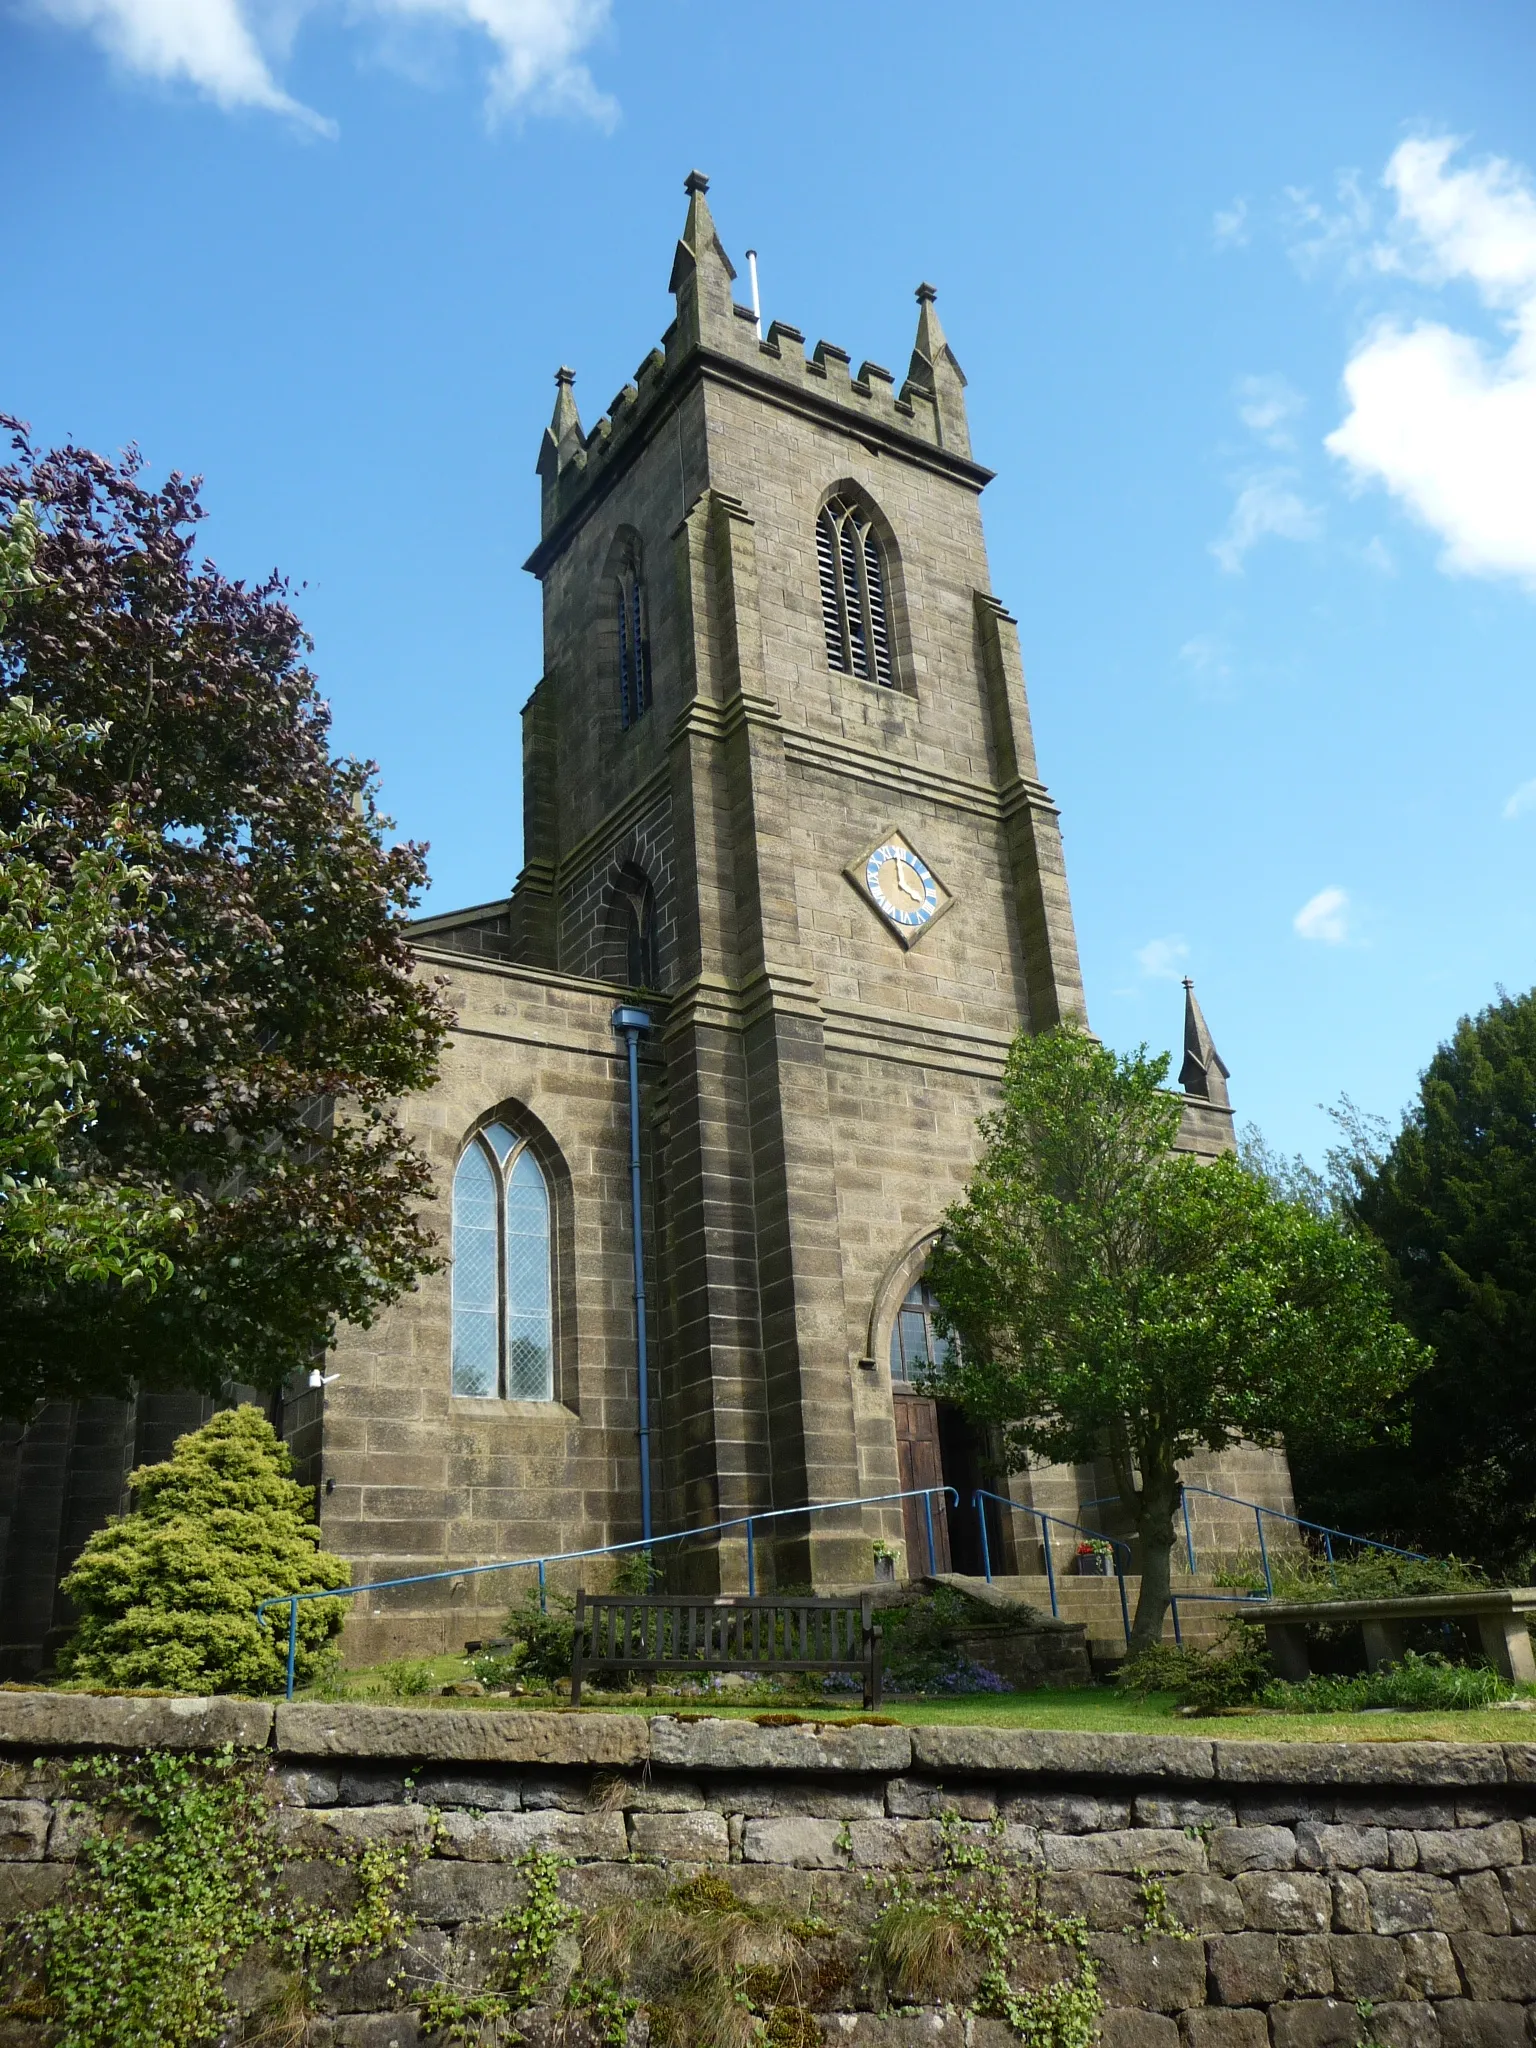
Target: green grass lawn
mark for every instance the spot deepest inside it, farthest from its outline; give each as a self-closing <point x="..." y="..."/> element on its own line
<point x="1092" y="1710"/>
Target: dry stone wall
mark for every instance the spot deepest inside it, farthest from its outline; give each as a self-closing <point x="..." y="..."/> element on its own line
<point x="1325" y="1893"/>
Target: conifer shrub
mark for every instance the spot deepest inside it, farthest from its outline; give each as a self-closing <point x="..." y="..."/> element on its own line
<point x="167" y="1595"/>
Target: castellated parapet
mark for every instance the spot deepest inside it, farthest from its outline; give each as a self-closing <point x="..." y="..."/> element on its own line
<point x="712" y="334"/>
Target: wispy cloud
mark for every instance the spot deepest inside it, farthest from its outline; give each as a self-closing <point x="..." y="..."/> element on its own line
<point x="1444" y="422"/>
<point x="1268" y="507"/>
<point x="1521" y="800"/>
<point x="1229" y="227"/>
<point x="1319" y="234"/>
<point x="1207" y="655"/>
<point x="226" y="49"/>
<point x="1270" y="407"/>
<point x="1324" y="917"/>
<point x="1162" y="959"/>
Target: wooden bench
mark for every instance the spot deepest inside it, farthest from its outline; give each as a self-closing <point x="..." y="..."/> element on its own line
<point x="691" y="1634"/>
<point x="1498" y="1612"/>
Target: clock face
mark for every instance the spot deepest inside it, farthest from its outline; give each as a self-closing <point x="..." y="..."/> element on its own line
<point x="901" y="885"/>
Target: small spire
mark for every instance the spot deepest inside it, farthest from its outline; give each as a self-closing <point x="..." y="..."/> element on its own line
<point x="1204" y="1072"/>
<point x="566" y="416"/>
<point x="702" y="273"/>
<point x="935" y="370"/>
<point x="563" y="436"/>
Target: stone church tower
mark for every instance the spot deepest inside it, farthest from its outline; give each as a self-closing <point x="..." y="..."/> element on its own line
<point x="781" y="796"/>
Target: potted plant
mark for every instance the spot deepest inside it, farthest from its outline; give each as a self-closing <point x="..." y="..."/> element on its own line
<point x="1095" y="1559"/>
<point x="885" y="1561"/>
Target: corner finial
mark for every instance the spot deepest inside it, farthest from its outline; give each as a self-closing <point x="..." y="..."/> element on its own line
<point x="1204" y="1073"/>
<point x="701" y="272"/>
<point x="565" y="376"/>
<point x="935" y="372"/>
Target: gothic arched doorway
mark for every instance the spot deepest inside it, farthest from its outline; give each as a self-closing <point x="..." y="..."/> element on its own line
<point x="936" y="1445"/>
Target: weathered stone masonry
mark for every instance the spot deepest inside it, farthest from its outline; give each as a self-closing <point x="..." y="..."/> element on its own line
<point x="1332" y="1893"/>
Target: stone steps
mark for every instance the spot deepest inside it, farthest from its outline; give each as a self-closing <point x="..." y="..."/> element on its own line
<point x="1096" y="1603"/>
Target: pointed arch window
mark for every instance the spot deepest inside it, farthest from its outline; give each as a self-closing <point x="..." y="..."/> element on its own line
<point x="854" y="613"/>
<point x="502" y="1294"/>
<point x="634" y="645"/>
<point x="916" y="1345"/>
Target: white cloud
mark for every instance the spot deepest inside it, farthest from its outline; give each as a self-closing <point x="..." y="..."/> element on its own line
<point x="1229" y="228"/>
<point x="1446" y="423"/>
<point x="1162" y="959"/>
<point x="1269" y="407"/>
<point x="222" y="46"/>
<point x="1324" y="916"/>
<point x="209" y="43"/>
<point x="1268" y="506"/>
<point x="1521" y="800"/>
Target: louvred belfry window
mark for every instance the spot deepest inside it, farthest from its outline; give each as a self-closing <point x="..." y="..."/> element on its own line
<point x="853" y="604"/>
<point x="502" y="1321"/>
<point x="634" y="648"/>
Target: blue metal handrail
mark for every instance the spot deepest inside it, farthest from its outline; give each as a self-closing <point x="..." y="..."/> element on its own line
<point x="1296" y="1521"/>
<point x="1047" y="1522"/>
<point x="1323" y="1529"/>
<point x="512" y="1564"/>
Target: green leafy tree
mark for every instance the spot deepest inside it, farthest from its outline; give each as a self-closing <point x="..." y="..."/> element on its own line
<point x="167" y="1596"/>
<point x="1113" y="1297"/>
<point x="1452" y="1201"/>
<point x="216" y="1008"/>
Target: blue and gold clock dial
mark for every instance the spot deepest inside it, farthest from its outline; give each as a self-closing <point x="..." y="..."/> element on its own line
<point x="901" y="885"/>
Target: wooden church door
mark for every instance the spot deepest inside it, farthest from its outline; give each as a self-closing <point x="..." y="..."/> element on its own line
<point x="919" y="1462"/>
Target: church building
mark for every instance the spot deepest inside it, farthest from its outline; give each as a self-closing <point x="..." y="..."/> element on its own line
<point x="789" y="864"/>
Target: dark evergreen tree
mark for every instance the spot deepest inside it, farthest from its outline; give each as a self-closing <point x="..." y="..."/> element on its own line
<point x="1453" y="1202"/>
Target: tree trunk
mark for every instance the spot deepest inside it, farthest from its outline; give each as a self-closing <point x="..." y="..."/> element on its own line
<point x="1155" y="1506"/>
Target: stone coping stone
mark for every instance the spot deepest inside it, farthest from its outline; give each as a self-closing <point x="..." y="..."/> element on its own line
<point x="710" y="1745"/>
<point x="75" y="1720"/>
<point x="465" y="1736"/>
<point x="1361" y="1763"/>
<point x="1061" y="1753"/>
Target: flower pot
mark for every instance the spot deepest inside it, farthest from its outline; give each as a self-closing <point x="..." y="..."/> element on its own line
<point x="885" y="1571"/>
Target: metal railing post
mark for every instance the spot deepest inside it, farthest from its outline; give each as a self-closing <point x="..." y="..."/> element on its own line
<point x="986" y="1549"/>
<point x="1125" y="1605"/>
<point x="543" y="1590"/>
<point x="293" y="1643"/>
<point x="1189" y="1540"/>
<point x="751" y="1563"/>
<point x="1178" y="1633"/>
<point x="1050" y="1569"/>
<point x="928" y="1511"/>
<point x="1269" y="1583"/>
<point x="1328" y="1553"/>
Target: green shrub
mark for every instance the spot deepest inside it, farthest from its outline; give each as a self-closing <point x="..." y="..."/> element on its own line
<point x="167" y="1596"/>
<point x="1419" y="1685"/>
<point x="542" y="1640"/>
<point x="1375" y="1574"/>
<point x="1233" y="1673"/>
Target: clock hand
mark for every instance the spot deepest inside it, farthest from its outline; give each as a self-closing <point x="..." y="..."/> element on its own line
<point x="907" y="880"/>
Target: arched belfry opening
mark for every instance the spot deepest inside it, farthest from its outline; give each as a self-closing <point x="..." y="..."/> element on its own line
<point x="632" y="952"/>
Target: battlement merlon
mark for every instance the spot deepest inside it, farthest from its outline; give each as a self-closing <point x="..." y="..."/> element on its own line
<point x="713" y="337"/>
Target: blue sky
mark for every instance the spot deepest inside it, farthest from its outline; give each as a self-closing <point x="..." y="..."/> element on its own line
<point x="1246" y="297"/>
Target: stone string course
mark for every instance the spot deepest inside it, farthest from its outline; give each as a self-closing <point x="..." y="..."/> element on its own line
<point x="1331" y="1893"/>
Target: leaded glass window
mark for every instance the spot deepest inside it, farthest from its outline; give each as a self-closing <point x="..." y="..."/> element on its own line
<point x="502" y="1299"/>
<point x="853" y="605"/>
<point x="634" y="646"/>
<point x="916" y="1345"/>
